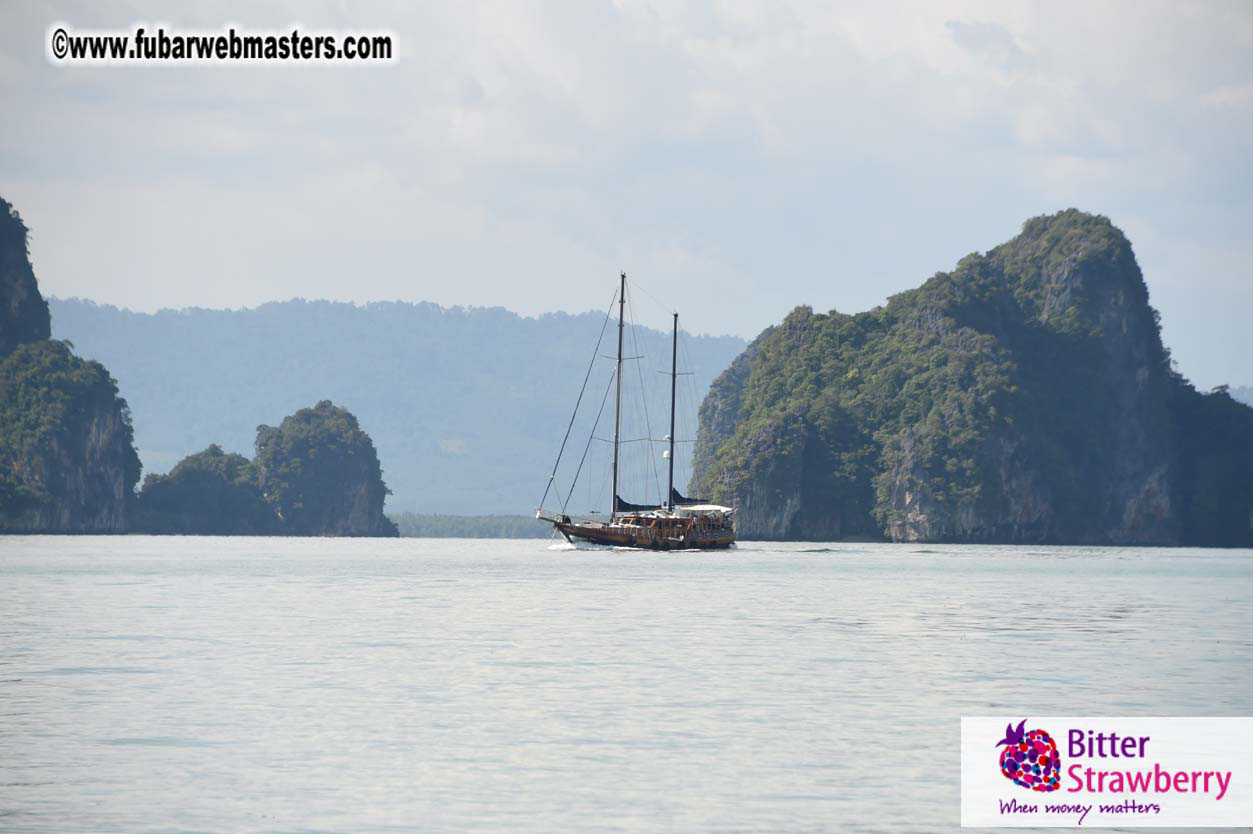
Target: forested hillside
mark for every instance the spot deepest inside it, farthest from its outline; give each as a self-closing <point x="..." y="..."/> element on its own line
<point x="465" y="406"/>
<point x="67" y="463"/>
<point x="315" y="474"/>
<point x="1026" y="396"/>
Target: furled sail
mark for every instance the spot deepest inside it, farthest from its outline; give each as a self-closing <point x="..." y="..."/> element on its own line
<point x="680" y="523"/>
<point x="677" y="499"/>
<point x="628" y="507"/>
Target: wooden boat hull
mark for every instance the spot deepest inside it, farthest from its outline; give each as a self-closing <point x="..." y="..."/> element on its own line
<point x="675" y="523"/>
<point x="641" y="538"/>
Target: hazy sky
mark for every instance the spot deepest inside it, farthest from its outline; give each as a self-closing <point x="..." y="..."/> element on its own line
<point x="744" y="158"/>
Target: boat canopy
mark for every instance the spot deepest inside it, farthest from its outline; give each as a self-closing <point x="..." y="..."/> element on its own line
<point x="676" y="520"/>
<point x="704" y="509"/>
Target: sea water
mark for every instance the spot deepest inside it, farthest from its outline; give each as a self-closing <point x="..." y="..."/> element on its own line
<point x="321" y="685"/>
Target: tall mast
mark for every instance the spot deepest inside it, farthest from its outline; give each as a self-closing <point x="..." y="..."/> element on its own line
<point x="617" y="402"/>
<point x="674" y="368"/>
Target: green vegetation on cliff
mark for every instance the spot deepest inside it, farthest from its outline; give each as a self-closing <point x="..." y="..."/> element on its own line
<point x="321" y="474"/>
<point x="67" y="463"/>
<point x="316" y="474"/>
<point x="210" y="492"/>
<point x="23" y="311"/>
<point x="67" y="456"/>
<point x="1025" y="396"/>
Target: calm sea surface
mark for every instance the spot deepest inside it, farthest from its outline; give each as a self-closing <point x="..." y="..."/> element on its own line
<point x="316" y="685"/>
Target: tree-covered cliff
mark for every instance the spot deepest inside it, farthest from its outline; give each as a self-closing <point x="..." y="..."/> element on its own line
<point x="316" y="474"/>
<point x="23" y="311"/>
<point x="208" y="493"/>
<point x="67" y="457"/>
<point x="1023" y="397"/>
<point x="320" y="472"/>
<point x="68" y="462"/>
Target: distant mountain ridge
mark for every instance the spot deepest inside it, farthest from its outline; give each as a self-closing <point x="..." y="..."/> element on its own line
<point x="1026" y="396"/>
<point x="465" y="406"/>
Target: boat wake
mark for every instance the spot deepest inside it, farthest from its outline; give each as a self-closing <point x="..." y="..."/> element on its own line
<point x="567" y="547"/>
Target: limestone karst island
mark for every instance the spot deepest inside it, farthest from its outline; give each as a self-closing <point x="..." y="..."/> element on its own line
<point x="68" y="462"/>
<point x="1024" y="397"/>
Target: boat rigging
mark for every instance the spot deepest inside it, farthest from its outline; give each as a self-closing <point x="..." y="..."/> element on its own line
<point x="678" y="523"/>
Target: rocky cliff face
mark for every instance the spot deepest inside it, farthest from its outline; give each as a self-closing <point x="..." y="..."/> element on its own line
<point x="315" y="474"/>
<point x="67" y="462"/>
<point x="1093" y="286"/>
<point x="321" y="474"/>
<point x="67" y="457"/>
<point x="1024" y="397"/>
<point x="793" y="495"/>
<point x="23" y="311"/>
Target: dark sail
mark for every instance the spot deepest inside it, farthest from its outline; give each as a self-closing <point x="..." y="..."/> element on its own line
<point x="628" y="507"/>
<point x="665" y="527"/>
<point x="677" y="499"/>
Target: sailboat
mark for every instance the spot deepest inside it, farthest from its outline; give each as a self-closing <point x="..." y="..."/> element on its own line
<point x="680" y="523"/>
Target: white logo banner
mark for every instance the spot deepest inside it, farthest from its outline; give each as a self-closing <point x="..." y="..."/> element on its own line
<point x="1053" y="772"/>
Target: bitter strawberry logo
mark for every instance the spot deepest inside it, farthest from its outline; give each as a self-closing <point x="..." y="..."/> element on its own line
<point x="1030" y="758"/>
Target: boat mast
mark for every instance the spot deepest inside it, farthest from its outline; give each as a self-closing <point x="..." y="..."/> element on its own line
<point x="617" y="402"/>
<point x="674" y="360"/>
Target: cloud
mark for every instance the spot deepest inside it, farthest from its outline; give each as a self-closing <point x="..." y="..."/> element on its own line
<point x="742" y="158"/>
<point x="1235" y="96"/>
<point x="990" y="41"/>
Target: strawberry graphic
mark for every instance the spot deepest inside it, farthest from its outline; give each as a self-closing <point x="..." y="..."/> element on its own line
<point x="1030" y="758"/>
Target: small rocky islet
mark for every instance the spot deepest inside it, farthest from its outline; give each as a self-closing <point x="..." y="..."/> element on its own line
<point x="68" y="462"/>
